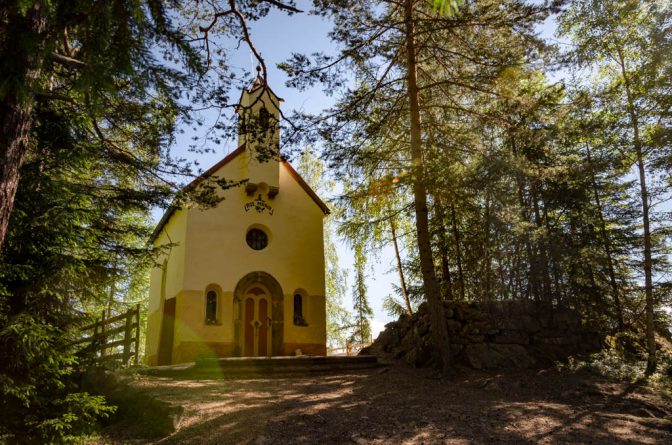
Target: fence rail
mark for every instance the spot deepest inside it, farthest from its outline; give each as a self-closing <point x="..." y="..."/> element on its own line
<point x="114" y="340"/>
<point x="348" y="349"/>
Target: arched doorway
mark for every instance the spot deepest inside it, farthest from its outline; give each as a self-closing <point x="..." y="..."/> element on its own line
<point x="256" y="323"/>
<point x="258" y="316"/>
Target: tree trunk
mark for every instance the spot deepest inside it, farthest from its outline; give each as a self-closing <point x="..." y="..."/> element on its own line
<point x="458" y="251"/>
<point x="644" y="195"/>
<point x="486" y="267"/>
<point x="14" y="130"/>
<point x="648" y="266"/>
<point x="437" y="318"/>
<point x="16" y="106"/>
<point x="402" y="280"/>
<point x="446" y="281"/>
<point x="606" y="242"/>
<point x="533" y="277"/>
<point x="543" y="255"/>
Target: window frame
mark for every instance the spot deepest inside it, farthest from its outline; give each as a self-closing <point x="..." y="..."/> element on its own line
<point x="216" y="320"/>
<point x="299" y="320"/>
<point x="252" y="232"/>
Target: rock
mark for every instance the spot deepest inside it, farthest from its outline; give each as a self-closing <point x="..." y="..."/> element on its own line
<point x="493" y="356"/>
<point x="513" y="337"/>
<point x="479" y="356"/>
<point x="456" y="349"/>
<point x="423" y="329"/>
<point x="453" y="326"/>
<point x="490" y="336"/>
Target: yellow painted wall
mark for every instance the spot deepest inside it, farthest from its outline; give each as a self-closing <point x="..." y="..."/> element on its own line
<point x="251" y="105"/>
<point x="174" y="232"/>
<point x="217" y="253"/>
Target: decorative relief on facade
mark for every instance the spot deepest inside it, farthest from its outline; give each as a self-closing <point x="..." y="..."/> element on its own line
<point x="259" y="205"/>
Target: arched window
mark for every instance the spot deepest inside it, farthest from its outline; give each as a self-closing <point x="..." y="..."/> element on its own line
<point x="298" y="310"/>
<point x="211" y="307"/>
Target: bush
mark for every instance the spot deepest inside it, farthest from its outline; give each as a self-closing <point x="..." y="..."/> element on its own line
<point x="41" y="399"/>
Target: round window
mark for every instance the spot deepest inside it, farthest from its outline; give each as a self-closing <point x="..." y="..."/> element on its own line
<point x="256" y="239"/>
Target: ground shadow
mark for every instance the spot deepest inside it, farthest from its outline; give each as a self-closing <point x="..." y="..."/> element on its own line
<point x="405" y="405"/>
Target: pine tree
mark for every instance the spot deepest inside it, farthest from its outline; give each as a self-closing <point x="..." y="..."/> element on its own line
<point x="406" y="61"/>
<point x="362" y="312"/>
<point x="626" y="41"/>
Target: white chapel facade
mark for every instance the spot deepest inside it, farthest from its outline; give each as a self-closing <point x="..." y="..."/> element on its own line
<point x="246" y="277"/>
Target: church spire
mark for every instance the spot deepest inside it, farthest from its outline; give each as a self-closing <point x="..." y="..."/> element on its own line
<point x="259" y="130"/>
<point x="258" y="81"/>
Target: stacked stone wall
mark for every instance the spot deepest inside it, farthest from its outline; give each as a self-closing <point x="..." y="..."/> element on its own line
<point x="490" y="336"/>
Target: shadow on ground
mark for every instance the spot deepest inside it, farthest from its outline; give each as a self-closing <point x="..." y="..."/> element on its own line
<point x="408" y="406"/>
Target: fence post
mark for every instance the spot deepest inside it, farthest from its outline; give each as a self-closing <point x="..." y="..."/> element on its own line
<point x="137" y="334"/>
<point x="103" y="338"/>
<point x="94" y="341"/>
<point x="127" y="337"/>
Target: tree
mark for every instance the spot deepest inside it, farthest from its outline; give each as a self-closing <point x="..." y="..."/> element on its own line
<point x="338" y="318"/>
<point x="361" y="310"/>
<point x="88" y="111"/>
<point x="626" y="42"/>
<point x="89" y="54"/>
<point x="387" y="90"/>
<point x="80" y="223"/>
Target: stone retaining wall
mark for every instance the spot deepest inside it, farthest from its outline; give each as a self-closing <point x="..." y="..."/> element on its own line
<point x="489" y="336"/>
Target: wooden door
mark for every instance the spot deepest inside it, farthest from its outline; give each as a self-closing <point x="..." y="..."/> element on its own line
<point x="256" y="321"/>
<point x="167" y="333"/>
<point x="249" y="328"/>
<point x="262" y="348"/>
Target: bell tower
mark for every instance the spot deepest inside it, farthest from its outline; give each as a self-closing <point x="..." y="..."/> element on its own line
<point x="259" y="130"/>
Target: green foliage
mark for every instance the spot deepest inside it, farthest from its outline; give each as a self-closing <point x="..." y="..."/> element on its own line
<point x="446" y="7"/>
<point x="612" y="364"/>
<point x="362" y="312"/>
<point x="393" y="306"/>
<point x="312" y="169"/>
<point x="40" y="400"/>
<point x="530" y="181"/>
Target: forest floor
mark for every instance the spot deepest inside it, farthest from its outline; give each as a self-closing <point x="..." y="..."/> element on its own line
<point x="402" y="405"/>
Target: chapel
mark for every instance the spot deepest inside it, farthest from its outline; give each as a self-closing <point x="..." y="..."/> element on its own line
<point x="244" y="278"/>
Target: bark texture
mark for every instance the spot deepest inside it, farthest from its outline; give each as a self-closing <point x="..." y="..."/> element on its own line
<point x="432" y="290"/>
<point x="21" y="75"/>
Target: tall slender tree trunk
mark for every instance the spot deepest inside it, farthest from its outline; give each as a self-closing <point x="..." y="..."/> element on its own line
<point x="458" y="251"/>
<point x="543" y="254"/>
<point x="402" y="280"/>
<point x="648" y="266"/>
<point x="606" y="244"/>
<point x="437" y="318"/>
<point x="533" y="277"/>
<point x="486" y="269"/>
<point x="446" y="280"/>
<point x="16" y="106"/>
<point x="646" y="222"/>
<point x="553" y="258"/>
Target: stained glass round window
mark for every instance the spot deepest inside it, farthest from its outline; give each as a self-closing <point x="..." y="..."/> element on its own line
<point x="257" y="239"/>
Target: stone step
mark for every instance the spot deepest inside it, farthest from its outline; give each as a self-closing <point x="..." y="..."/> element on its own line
<point x="260" y="366"/>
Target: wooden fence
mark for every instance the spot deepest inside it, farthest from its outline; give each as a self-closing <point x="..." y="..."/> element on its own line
<point x="113" y="341"/>
<point x="348" y="350"/>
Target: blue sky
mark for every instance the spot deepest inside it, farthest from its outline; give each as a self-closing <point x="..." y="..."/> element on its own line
<point x="277" y="36"/>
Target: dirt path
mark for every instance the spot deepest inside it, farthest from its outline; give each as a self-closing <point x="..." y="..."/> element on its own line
<point x="407" y="406"/>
